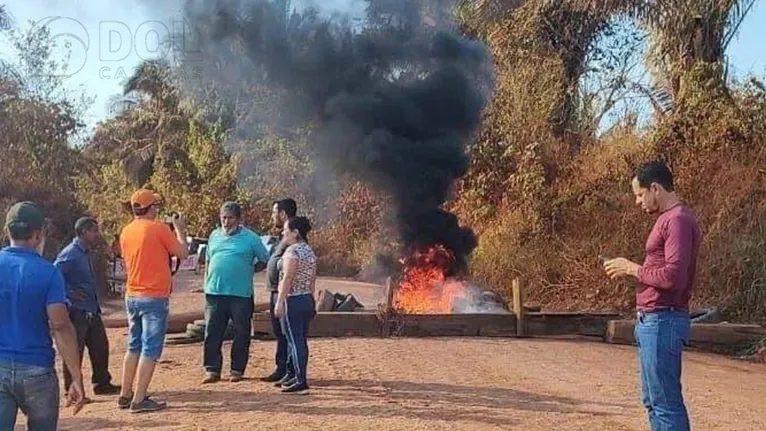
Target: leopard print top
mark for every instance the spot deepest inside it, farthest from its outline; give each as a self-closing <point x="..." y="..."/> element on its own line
<point x="307" y="268"/>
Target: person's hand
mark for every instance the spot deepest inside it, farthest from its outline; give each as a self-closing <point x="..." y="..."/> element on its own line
<point x="621" y="267"/>
<point x="75" y="397"/>
<point x="279" y="309"/>
<point x="179" y="223"/>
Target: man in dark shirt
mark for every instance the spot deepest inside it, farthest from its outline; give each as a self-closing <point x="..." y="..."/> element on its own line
<point x="281" y="211"/>
<point x="665" y="282"/>
<point x="74" y="262"/>
<point x="32" y="308"/>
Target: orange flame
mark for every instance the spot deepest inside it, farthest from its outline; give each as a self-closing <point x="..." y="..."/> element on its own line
<point x="424" y="289"/>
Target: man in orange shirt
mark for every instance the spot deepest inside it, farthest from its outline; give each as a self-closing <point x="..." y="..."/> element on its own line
<point x="146" y="245"/>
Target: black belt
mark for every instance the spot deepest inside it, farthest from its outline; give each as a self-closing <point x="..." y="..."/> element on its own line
<point x="662" y="309"/>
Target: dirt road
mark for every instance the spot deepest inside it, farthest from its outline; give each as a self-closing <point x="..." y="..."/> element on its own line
<point x="433" y="384"/>
<point x="436" y="384"/>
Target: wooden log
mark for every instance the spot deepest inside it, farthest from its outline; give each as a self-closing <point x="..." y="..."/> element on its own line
<point x="441" y="325"/>
<point x="620" y="332"/>
<point x="552" y="323"/>
<point x="389" y="306"/>
<point x="367" y="324"/>
<point x="518" y="306"/>
<point x="176" y="322"/>
<point x="327" y="324"/>
<point x="703" y="335"/>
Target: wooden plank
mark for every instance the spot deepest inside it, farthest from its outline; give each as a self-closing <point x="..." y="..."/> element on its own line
<point x="337" y="324"/>
<point x="702" y="334"/>
<point x="441" y="325"/>
<point x="327" y="324"/>
<point x="518" y="306"/>
<point x="389" y="307"/>
<point x="567" y="323"/>
<point x="726" y="333"/>
<point x="620" y="332"/>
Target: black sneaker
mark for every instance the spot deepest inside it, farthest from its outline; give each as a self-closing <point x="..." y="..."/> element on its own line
<point x="273" y="377"/>
<point x="285" y="381"/>
<point x="107" y="389"/>
<point x="296" y="389"/>
<point x="147" y="405"/>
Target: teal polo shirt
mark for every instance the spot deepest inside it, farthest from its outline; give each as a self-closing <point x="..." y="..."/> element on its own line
<point x="230" y="262"/>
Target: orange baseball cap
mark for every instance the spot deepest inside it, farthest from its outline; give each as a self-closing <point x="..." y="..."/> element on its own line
<point x="144" y="198"/>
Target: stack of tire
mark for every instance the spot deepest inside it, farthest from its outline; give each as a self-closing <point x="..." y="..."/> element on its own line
<point x="196" y="331"/>
<point x="329" y="301"/>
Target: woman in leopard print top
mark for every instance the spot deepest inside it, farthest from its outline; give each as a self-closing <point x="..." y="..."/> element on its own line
<point x="295" y="302"/>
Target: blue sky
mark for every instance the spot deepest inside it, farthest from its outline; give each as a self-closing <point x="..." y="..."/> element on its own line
<point x="109" y="38"/>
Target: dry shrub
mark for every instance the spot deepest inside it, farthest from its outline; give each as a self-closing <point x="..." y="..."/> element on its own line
<point x="37" y="163"/>
<point x="716" y="153"/>
<point x="349" y="241"/>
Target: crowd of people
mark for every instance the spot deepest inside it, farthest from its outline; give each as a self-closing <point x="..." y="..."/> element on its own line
<point x="39" y="298"/>
<point x="42" y="303"/>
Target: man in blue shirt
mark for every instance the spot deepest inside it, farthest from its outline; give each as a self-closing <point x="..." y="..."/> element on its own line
<point x="32" y="306"/>
<point x="232" y="251"/>
<point x="75" y="264"/>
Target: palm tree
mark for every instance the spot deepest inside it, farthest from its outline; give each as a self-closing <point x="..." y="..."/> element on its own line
<point x="684" y="33"/>
<point x="149" y="116"/>
<point x="561" y="28"/>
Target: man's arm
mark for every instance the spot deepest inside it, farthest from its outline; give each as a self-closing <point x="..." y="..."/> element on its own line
<point x="61" y="327"/>
<point x="208" y="255"/>
<point x="259" y="249"/>
<point x="678" y="254"/>
<point x="176" y="245"/>
<point x="182" y="251"/>
<point x="65" y="338"/>
<point x="65" y="264"/>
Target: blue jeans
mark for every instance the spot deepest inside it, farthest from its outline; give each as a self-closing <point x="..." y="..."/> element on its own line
<point x="661" y="337"/>
<point x="299" y="311"/>
<point x="281" y="358"/>
<point x="147" y="325"/>
<point x="32" y="389"/>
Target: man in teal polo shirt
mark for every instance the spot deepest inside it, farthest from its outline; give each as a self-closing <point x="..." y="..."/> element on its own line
<point x="231" y="253"/>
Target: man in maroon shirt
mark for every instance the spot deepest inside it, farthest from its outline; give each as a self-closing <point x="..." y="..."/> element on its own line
<point x="665" y="282"/>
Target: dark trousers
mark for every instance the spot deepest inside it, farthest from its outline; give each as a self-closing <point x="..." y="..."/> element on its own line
<point x="300" y="310"/>
<point x="91" y="333"/>
<point x="218" y="310"/>
<point x="282" y="359"/>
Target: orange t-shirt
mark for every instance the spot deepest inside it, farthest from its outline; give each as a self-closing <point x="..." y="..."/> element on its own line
<point x="146" y="248"/>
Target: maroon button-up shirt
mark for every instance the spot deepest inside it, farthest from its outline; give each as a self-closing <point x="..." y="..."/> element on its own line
<point x="667" y="275"/>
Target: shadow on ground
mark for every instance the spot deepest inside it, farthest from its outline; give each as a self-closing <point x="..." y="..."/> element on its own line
<point x="388" y="399"/>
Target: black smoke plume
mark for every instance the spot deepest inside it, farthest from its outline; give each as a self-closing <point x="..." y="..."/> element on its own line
<point x="392" y="97"/>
